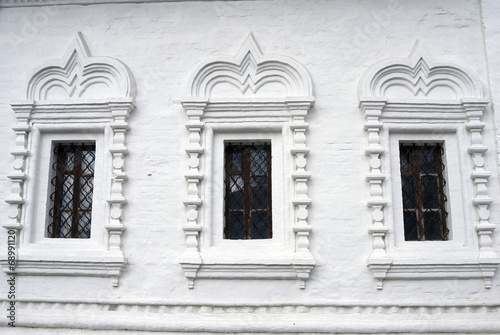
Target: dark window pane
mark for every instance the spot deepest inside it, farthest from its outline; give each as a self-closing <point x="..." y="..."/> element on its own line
<point x="411" y="224"/>
<point x="422" y="186"/>
<point x="408" y="192"/>
<point x="430" y="192"/>
<point x="260" y="189"/>
<point x="433" y="226"/>
<point x="73" y="185"/>
<point x="247" y="185"/>
<point x="236" y="225"/>
<point x="259" y="225"/>
<point x="428" y="160"/>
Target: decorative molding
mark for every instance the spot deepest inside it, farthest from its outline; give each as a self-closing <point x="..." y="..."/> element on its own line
<point x="38" y="3"/>
<point x="250" y="71"/>
<point x="251" y="101"/>
<point x="76" y="73"/>
<point x="419" y="77"/>
<point x="289" y="317"/>
<point x="403" y="91"/>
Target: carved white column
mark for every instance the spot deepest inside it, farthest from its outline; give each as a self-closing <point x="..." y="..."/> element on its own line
<point x="119" y="126"/>
<point x="18" y="176"/>
<point x="191" y="260"/>
<point x="303" y="260"/>
<point x="379" y="261"/>
<point x="487" y="257"/>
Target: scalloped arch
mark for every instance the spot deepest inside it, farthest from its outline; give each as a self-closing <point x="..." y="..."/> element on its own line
<point x="251" y="72"/>
<point x="78" y="73"/>
<point x="418" y="77"/>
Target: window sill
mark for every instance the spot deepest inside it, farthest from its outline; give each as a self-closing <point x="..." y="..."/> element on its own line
<point x="276" y="268"/>
<point x="75" y="262"/>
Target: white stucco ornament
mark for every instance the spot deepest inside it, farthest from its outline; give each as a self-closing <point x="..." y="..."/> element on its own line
<point x="77" y="98"/>
<point x="416" y="99"/>
<point x="253" y="97"/>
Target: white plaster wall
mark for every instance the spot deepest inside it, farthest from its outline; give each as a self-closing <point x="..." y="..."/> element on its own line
<point x="336" y="41"/>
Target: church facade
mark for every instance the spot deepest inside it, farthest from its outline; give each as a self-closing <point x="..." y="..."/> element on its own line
<point x="250" y="166"/>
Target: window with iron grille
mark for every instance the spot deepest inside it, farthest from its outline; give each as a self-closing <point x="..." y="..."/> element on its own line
<point x="73" y="184"/>
<point x="424" y="199"/>
<point x="247" y="183"/>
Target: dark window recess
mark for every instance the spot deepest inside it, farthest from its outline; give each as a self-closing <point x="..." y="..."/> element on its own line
<point x="424" y="199"/>
<point x="247" y="183"/>
<point x="73" y="184"/>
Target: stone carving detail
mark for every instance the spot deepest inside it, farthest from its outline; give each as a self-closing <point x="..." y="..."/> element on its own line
<point x="251" y="72"/>
<point x="412" y="90"/>
<point x="76" y="76"/>
<point x="224" y="90"/>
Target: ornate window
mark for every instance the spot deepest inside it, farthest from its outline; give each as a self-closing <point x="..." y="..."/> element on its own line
<point x="71" y="146"/>
<point x="241" y="109"/>
<point x="427" y="179"/>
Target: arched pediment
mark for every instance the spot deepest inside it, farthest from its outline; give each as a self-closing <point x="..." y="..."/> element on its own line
<point x="419" y="77"/>
<point x="79" y="75"/>
<point x="251" y="73"/>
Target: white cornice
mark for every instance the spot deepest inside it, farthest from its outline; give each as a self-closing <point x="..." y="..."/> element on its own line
<point x="38" y="3"/>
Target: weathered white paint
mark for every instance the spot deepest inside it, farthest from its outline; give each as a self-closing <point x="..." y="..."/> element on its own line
<point x="336" y="42"/>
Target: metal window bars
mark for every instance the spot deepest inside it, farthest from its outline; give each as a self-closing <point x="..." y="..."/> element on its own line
<point x="73" y="184"/>
<point x="423" y="189"/>
<point x="247" y="183"/>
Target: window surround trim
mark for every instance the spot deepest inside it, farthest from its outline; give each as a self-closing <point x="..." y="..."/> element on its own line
<point x="248" y="71"/>
<point x="39" y="114"/>
<point x="418" y="76"/>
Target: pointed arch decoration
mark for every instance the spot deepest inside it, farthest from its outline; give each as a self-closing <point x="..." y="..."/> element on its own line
<point x="249" y="96"/>
<point x="417" y="99"/>
<point x="77" y="72"/>
<point x="77" y="98"/>
<point x="417" y="77"/>
<point x="251" y="71"/>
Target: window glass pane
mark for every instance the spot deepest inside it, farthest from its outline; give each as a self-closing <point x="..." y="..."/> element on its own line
<point x="433" y="226"/>
<point x="73" y="184"/>
<point x="259" y="160"/>
<point x="422" y="187"/>
<point x="67" y="191"/>
<point x="259" y="225"/>
<point x="84" y="224"/>
<point x="88" y="161"/>
<point x="86" y="188"/>
<point x="235" y="199"/>
<point x="427" y="160"/>
<point x="69" y="163"/>
<point x="260" y="192"/>
<point x="410" y="221"/>
<point x="236" y="161"/>
<point x="430" y="192"/>
<point x="408" y="192"/>
<point x="236" y="225"/>
<point x="247" y="189"/>
<point x="65" y="224"/>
